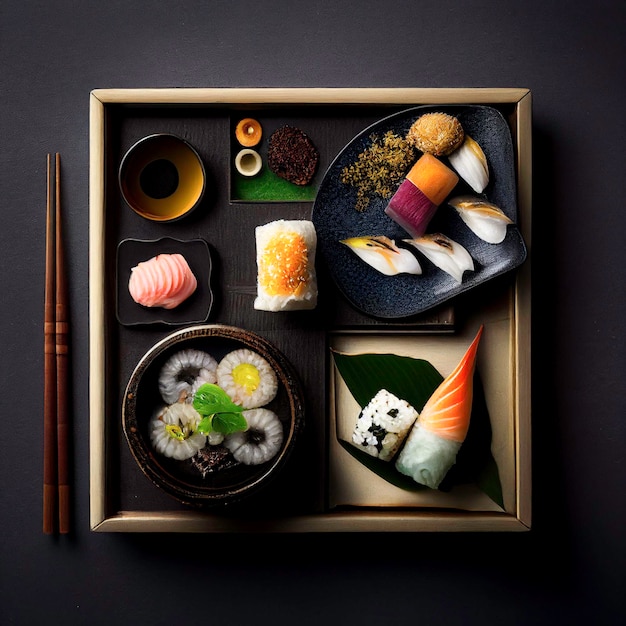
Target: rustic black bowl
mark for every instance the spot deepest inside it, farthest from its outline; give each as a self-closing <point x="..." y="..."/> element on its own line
<point x="181" y="479"/>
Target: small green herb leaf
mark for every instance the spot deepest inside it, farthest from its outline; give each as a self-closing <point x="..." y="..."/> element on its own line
<point x="211" y="399"/>
<point x="205" y="425"/>
<point x="227" y="423"/>
<point x="219" y="413"/>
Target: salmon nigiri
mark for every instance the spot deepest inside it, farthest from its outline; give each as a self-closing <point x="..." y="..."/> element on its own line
<point x="163" y="281"/>
<point x="437" y="435"/>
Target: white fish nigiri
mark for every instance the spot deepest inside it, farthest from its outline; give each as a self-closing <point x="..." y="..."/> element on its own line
<point x="483" y="218"/>
<point x="384" y="255"/>
<point x="440" y="430"/>
<point x="470" y="162"/>
<point x="448" y="255"/>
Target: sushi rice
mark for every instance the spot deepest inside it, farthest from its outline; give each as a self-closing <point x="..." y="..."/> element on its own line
<point x="427" y="457"/>
<point x="383" y="425"/>
<point x="285" y="256"/>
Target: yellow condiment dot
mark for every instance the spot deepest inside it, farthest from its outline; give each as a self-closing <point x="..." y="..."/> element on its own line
<point x="175" y="432"/>
<point x="247" y="376"/>
<point x="283" y="266"/>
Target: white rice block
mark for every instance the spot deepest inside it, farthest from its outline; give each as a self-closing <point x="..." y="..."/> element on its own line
<point x="285" y="256"/>
<point x="383" y="425"/>
<point x="427" y="457"/>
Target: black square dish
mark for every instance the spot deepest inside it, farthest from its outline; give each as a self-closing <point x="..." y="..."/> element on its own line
<point x="195" y="309"/>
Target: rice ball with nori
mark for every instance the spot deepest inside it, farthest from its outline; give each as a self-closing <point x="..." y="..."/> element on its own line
<point x="383" y="425"/>
<point x="247" y="378"/>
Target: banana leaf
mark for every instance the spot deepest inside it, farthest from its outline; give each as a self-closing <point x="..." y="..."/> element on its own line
<point x="415" y="380"/>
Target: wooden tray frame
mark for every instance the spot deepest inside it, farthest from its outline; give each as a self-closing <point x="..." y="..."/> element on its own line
<point x="377" y="520"/>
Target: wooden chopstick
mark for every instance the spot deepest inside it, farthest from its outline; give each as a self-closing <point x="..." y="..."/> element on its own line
<point x="62" y="350"/>
<point x="50" y="380"/>
<point x="56" y="496"/>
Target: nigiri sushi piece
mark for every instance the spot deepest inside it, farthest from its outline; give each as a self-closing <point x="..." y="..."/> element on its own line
<point x="470" y="163"/>
<point x="484" y="219"/>
<point x="437" y="436"/>
<point x="285" y="256"/>
<point x="165" y="281"/>
<point x="425" y="187"/>
<point x="384" y="255"/>
<point x="448" y="255"/>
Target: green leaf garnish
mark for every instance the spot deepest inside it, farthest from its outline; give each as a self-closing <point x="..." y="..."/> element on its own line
<point x="415" y="380"/>
<point x="219" y="413"/>
<point x="210" y="399"/>
<point x="227" y="423"/>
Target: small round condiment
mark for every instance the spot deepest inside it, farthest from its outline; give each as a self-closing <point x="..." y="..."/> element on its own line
<point x="248" y="162"/>
<point x="162" y="178"/>
<point x="248" y="132"/>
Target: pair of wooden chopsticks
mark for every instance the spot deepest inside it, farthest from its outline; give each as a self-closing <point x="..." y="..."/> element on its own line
<point x="56" y="496"/>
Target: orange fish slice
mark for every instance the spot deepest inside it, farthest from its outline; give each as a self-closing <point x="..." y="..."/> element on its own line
<point x="447" y="412"/>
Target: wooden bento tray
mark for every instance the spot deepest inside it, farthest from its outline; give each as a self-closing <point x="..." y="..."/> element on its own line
<point x="322" y="490"/>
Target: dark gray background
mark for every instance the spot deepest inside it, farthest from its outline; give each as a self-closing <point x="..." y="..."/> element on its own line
<point x="570" y="568"/>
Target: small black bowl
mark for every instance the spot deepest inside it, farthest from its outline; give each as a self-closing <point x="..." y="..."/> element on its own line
<point x="162" y="178"/>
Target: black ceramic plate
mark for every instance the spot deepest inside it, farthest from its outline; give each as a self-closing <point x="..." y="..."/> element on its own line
<point x="194" y="310"/>
<point x="182" y="479"/>
<point x="336" y="218"/>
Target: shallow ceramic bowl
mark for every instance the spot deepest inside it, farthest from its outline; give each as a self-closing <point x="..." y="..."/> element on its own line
<point x="182" y="480"/>
<point x="162" y="178"/>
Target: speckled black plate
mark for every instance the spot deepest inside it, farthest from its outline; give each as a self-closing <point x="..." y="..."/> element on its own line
<point x="336" y="218"/>
<point x="194" y="310"/>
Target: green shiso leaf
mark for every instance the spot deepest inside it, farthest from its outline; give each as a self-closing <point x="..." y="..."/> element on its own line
<point x="415" y="380"/>
<point x="227" y="423"/>
<point x="224" y="423"/>
<point x="219" y="413"/>
<point x="204" y="426"/>
<point x="210" y="399"/>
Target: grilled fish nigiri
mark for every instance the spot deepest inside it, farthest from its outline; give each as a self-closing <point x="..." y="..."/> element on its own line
<point x="484" y="219"/>
<point x="384" y="255"/>
<point x="439" y="432"/>
<point x="446" y="254"/>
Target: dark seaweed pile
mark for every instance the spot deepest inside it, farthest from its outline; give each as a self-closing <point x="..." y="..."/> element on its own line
<point x="292" y="155"/>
